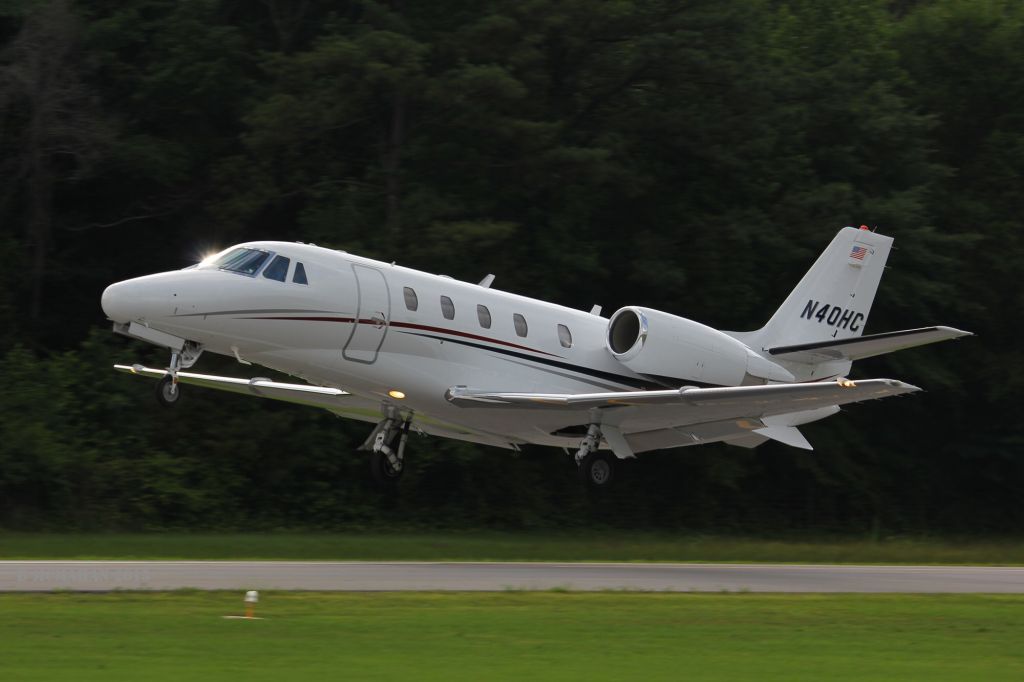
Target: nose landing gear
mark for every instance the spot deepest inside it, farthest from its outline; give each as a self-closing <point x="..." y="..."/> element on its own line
<point x="167" y="391"/>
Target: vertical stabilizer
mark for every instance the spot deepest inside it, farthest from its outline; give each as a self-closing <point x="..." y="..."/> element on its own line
<point x="833" y="299"/>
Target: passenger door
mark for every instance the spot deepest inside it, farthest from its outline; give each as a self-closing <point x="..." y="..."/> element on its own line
<point x="373" y="314"/>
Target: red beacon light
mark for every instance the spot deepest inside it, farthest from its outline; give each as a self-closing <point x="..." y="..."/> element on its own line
<point x="865" y="227"/>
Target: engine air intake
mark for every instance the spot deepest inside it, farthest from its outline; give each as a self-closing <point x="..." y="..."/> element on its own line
<point x="624" y="331"/>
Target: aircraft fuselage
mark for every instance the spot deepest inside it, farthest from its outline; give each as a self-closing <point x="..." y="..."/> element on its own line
<point x="353" y="326"/>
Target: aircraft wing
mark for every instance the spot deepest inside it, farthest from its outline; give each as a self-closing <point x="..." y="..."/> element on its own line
<point x="737" y="401"/>
<point x="304" y="394"/>
<point x="336" y="400"/>
<point x="864" y="346"/>
<point x="638" y="421"/>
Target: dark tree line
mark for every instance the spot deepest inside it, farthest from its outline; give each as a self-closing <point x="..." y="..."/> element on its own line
<point x="692" y="156"/>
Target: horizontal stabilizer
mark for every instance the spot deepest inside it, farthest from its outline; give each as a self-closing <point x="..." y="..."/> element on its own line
<point x="862" y="347"/>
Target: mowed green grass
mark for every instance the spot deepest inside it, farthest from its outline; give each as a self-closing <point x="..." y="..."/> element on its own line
<point x="497" y="546"/>
<point x="511" y="636"/>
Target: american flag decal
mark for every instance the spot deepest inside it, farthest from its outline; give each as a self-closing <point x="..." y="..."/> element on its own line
<point x="858" y="252"/>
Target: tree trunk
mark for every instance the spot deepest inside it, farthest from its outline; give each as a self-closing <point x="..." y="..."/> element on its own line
<point x="40" y="196"/>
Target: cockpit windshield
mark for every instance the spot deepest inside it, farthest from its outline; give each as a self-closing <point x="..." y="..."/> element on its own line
<point x="242" y="260"/>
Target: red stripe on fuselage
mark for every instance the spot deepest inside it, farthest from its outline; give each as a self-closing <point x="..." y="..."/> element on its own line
<point x="410" y="325"/>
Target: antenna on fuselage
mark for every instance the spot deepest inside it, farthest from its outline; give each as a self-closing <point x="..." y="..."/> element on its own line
<point x="487" y="281"/>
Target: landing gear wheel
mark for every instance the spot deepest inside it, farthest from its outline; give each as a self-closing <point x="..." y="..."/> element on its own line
<point x="383" y="472"/>
<point x="168" y="393"/>
<point x="597" y="470"/>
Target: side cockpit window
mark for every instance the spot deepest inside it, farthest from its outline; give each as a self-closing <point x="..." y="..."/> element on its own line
<point x="278" y="269"/>
<point x="300" y="274"/>
<point x="243" y="261"/>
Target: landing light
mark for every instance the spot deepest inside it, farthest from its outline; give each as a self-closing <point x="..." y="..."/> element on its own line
<point x="396" y="394"/>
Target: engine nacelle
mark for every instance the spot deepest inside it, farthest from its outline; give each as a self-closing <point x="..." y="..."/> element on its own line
<point x="658" y="344"/>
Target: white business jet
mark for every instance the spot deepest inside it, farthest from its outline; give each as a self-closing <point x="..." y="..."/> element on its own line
<point x="411" y="351"/>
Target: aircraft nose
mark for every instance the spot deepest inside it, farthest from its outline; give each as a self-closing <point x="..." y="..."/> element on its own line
<point x="115" y="302"/>
<point x="120" y="302"/>
<point x="143" y="298"/>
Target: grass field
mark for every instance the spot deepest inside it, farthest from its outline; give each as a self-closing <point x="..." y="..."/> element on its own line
<point x="511" y="636"/>
<point x="480" y="546"/>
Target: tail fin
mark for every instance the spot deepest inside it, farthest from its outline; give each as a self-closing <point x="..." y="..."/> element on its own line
<point x="833" y="299"/>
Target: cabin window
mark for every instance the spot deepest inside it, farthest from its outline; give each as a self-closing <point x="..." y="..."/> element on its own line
<point x="520" y="322"/>
<point x="412" y="301"/>
<point x="564" y="336"/>
<point x="484" y="315"/>
<point x="242" y="261"/>
<point x="300" y="274"/>
<point x="447" y="308"/>
<point x="278" y="269"/>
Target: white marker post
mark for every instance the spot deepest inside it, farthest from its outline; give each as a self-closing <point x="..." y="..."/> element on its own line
<point x="251" y="597"/>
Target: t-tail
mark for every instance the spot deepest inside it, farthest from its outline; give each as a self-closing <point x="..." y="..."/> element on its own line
<point x="818" y="331"/>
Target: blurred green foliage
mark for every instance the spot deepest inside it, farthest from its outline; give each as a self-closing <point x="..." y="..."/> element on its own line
<point x="693" y="157"/>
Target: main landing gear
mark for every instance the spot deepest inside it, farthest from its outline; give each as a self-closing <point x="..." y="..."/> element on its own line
<point x="167" y="391"/>
<point x="596" y="468"/>
<point x="387" y="449"/>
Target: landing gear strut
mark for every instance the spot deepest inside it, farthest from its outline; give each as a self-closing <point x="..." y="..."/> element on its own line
<point x="596" y="468"/>
<point x="167" y="391"/>
<point x="387" y="456"/>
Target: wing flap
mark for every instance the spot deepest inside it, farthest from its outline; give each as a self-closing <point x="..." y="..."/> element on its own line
<point x="790" y="435"/>
<point x="745" y="433"/>
<point x="862" y="347"/>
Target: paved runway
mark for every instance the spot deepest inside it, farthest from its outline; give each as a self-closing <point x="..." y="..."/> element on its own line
<point x="90" y="576"/>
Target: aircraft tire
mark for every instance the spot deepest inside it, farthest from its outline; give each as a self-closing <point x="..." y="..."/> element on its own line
<point x="382" y="471"/>
<point x="597" y="470"/>
<point x="167" y="394"/>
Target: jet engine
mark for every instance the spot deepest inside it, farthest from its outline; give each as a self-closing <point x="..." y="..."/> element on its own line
<point x="660" y="345"/>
